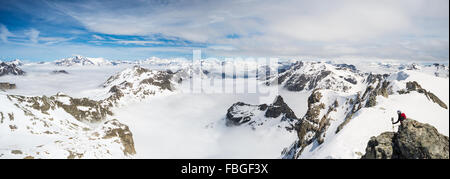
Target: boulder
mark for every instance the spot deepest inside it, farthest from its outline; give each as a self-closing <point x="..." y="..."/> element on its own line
<point x="414" y="140"/>
<point x="7" y="86"/>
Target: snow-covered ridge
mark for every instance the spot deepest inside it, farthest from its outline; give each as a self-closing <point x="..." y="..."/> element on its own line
<point x="345" y="99"/>
<point x="276" y="114"/>
<point x="10" y="68"/>
<point x="215" y="67"/>
<point x="60" y="126"/>
<point x="334" y="117"/>
<point x="82" y="61"/>
<point x="305" y="76"/>
<point x="138" y="83"/>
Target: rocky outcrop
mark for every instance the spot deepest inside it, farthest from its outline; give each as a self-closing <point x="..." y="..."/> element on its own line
<point x="10" y="69"/>
<point x="300" y="82"/>
<point x="312" y="126"/>
<point x="82" y="61"/>
<point x="256" y="115"/>
<point x="138" y="83"/>
<point x="347" y="67"/>
<point x="237" y="115"/>
<point x="377" y="85"/>
<point x="114" y="128"/>
<point x="414" y="140"/>
<point x="88" y="134"/>
<point x="60" y="72"/>
<point x="278" y="108"/>
<point x="414" y="86"/>
<point x="303" y="76"/>
<point x="7" y="86"/>
<point x="82" y="109"/>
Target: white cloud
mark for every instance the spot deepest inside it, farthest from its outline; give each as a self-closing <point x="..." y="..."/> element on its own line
<point x="290" y="27"/>
<point x="97" y="37"/>
<point x="4" y="33"/>
<point x="54" y="40"/>
<point x="33" y="35"/>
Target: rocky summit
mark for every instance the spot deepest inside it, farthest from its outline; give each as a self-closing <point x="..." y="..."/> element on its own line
<point x="10" y="69"/>
<point x="257" y="115"/>
<point x="414" y="140"/>
<point x="7" y="86"/>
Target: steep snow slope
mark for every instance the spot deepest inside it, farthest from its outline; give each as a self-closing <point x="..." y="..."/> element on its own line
<point x="351" y="141"/>
<point x="137" y="83"/>
<point x="79" y="82"/>
<point x="352" y="101"/>
<point x="305" y="76"/>
<point x="60" y="127"/>
<point x="338" y="124"/>
<point x="82" y="61"/>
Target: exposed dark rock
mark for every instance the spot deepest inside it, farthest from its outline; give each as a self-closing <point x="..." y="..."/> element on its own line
<point x="73" y="155"/>
<point x="314" y="97"/>
<point x="132" y="84"/>
<point x="299" y="82"/>
<point x="85" y="110"/>
<point x="414" y="86"/>
<point x="371" y="101"/>
<point x="17" y="152"/>
<point x="279" y="107"/>
<point x="10" y="69"/>
<point x="351" y="80"/>
<point x="288" y="72"/>
<point x="96" y="110"/>
<point x="369" y="98"/>
<point x="7" y="86"/>
<point x="346" y="66"/>
<point x="123" y="132"/>
<point x="312" y="126"/>
<point x="236" y="117"/>
<point x="162" y="80"/>
<point x="60" y="72"/>
<point x="380" y="147"/>
<point x="240" y="113"/>
<point x="414" y="140"/>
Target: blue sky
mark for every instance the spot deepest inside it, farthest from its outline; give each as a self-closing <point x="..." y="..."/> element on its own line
<point x="398" y="29"/>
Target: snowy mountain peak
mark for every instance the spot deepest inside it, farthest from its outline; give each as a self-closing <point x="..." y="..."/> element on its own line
<point x="277" y="114"/>
<point x="305" y="76"/>
<point x="138" y="83"/>
<point x="63" y="127"/>
<point x="10" y="69"/>
<point x="82" y="61"/>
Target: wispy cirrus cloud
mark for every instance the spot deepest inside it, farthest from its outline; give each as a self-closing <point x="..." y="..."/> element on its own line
<point x="406" y="29"/>
<point x="33" y="35"/>
<point x="4" y="33"/>
<point x="97" y="37"/>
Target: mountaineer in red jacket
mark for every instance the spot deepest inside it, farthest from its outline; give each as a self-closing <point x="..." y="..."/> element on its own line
<point x="401" y="117"/>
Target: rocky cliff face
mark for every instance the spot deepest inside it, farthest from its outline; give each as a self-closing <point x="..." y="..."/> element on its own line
<point x="304" y="76"/>
<point x="138" y="83"/>
<point x="415" y="86"/>
<point x="7" y="86"/>
<point x="62" y="127"/>
<point x="312" y="126"/>
<point x="277" y="113"/>
<point x="10" y="69"/>
<point x="414" y="140"/>
<point x="82" y="126"/>
<point x="82" y="61"/>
